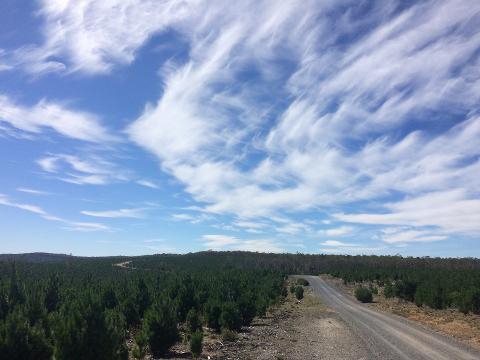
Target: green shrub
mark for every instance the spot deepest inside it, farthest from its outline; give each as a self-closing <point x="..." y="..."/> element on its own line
<point x="261" y="305"/>
<point x="248" y="309"/>
<point x="303" y="282"/>
<point x="299" y="292"/>
<point x="83" y="330"/>
<point x="230" y="318"/>
<point x="388" y="290"/>
<point x="20" y="340"/>
<point x="292" y="289"/>
<point x="363" y="294"/>
<point x="193" y="321"/>
<point x="160" y="328"/>
<point x="196" y="344"/>
<point x="140" y="349"/>
<point x="212" y="314"/>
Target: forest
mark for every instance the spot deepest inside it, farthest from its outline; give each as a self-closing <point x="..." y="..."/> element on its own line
<point x="64" y="307"/>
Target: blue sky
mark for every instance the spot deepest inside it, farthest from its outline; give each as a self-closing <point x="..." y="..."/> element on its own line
<point x="138" y="126"/>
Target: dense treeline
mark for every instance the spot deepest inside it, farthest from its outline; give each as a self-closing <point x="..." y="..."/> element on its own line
<point x="435" y="282"/>
<point x="86" y="309"/>
<point x="64" y="307"/>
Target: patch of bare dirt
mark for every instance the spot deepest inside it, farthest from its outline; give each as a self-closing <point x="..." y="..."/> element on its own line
<point x="465" y="328"/>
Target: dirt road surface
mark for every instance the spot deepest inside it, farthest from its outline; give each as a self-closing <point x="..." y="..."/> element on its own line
<point x="125" y="265"/>
<point x="387" y="336"/>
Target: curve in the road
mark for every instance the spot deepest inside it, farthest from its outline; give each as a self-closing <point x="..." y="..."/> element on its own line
<point x="388" y="336"/>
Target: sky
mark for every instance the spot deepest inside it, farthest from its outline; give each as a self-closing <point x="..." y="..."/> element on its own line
<point x="133" y="127"/>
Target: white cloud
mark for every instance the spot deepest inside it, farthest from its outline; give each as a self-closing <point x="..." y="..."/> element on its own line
<point x="337" y="243"/>
<point x="4" y="200"/>
<point x="92" y="36"/>
<point x="342" y="230"/>
<point x="452" y="211"/>
<point x="136" y="213"/>
<point x="45" y="115"/>
<point x="193" y="219"/>
<point x="186" y="217"/>
<point x="216" y="242"/>
<point x="249" y="224"/>
<point x="325" y="122"/>
<point x="32" y="191"/>
<point x="225" y="242"/>
<point x="70" y="225"/>
<point x="85" y="170"/>
<point x="147" y="183"/>
<point x="405" y="236"/>
<point x="85" y="226"/>
<point x="339" y="92"/>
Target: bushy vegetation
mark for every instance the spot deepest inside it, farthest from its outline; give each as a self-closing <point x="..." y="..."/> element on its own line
<point x="299" y="292"/>
<point x="196" y="343"/>
<point x="363" y="294"/>
<point x="84" y="308"/>
<point x="302" y="281"/>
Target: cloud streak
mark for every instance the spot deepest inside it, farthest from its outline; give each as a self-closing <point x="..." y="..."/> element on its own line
<point x="135" y="213"/>
<point x="83" y="170"/>
<point x="225" y="242"/>
<point x="69" y="224"/>
<point x="44" y="115"/>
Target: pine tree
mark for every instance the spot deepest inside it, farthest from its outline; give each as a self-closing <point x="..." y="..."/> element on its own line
<point x="230" y="318"/>
<point x="52" y="294"/>
<point x="196" y="344"/>
<point x="160" y="328"/>
<point x="21" y="341"/>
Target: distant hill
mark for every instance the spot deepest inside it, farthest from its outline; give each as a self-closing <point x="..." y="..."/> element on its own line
<point x="36" y="257"/>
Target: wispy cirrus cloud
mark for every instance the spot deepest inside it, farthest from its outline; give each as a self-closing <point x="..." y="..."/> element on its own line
<point x="32" y="191"/>
<point x="339" y="231"/>
<point x="103" y="34"/>
<point x="85" y="170"/>
<point x="69" y="224"/>
<point x="147" y="183"/>
<point x="134" y="213"/>
<point x="380" y="85"/>
<point x="46" y="115"/>
<point x="405" y="235"/>
<point x="364" y="115"/>
<point x="4" y="200"/>
<point x="451" y="211"/>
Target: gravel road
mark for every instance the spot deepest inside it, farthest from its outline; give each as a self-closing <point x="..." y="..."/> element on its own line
<point x="388" y="336"/>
